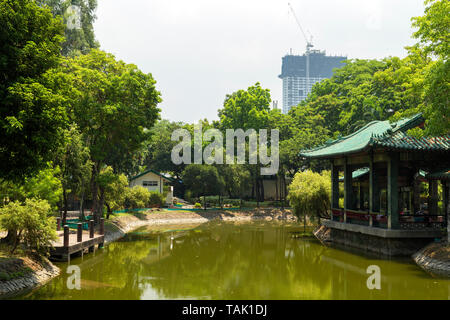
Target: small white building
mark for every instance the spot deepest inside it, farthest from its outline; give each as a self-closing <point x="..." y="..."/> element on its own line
<point x="154" y="181"/>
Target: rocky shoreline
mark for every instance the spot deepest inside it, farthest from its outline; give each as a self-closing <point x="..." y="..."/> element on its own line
<point x="124" y="224"/>
<point x="41" y="272"/>
<point x="434" y="259"/>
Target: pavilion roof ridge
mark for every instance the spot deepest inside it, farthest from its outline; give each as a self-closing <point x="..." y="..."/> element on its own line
<point x="367" y="136"/>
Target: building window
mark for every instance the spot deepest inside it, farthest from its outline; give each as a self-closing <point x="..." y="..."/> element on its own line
<point x="150" y="183"/>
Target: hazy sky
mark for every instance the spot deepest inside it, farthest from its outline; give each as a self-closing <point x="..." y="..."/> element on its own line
<point x="200" y="50"/>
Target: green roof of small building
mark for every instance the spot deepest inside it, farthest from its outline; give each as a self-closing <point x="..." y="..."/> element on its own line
<point x="152" y="171"/>
<point x="381" y="134"/>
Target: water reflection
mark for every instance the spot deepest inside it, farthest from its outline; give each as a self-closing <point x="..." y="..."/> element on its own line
<point x="222" y="260"/>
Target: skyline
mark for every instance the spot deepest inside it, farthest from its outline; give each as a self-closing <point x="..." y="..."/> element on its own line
<point x="218" y="48"/>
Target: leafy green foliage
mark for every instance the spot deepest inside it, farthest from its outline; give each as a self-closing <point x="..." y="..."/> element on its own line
<point x="31" y="115"/>
<point x="30" y="222"/>
<point x="433" y="28"/>
<point x="76" y="167"/>
<point x="113" y="188"/>
<point x="156" y="199"/>
<point x="202" y="180"/>
<point x="309" y="194"/>
<point x="160" y="147"/>
<point x="237" y="179"/>
<point x="246" y="109"/>
<point x="45" y="185"/>
<point x="137" y="197"/>
<point x="113" y="104"/>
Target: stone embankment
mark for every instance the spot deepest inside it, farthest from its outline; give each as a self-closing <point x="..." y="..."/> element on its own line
<point x="435" y="259"/>
<point x="27" y="274"/>
<point x="118" y="227"/>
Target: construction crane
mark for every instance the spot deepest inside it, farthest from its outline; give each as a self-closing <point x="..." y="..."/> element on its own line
<point x="309" y="45"/>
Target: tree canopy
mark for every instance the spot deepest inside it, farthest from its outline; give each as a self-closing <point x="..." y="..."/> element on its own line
<point x="31" y="114"/>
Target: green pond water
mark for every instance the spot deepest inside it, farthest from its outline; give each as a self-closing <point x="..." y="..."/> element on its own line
<point x="221" y="260"/>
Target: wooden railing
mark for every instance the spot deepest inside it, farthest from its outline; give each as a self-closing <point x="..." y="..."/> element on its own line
<point x="380" y="220"/>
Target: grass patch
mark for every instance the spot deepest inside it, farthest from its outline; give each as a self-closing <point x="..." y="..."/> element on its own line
<point x="12" y="266"/>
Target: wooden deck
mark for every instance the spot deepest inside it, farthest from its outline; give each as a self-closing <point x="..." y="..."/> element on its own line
<point x="63" y="253"/>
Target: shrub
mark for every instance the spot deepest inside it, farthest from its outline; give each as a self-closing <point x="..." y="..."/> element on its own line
<point x="137" y="197"/>
<point x="30" y="224"/>
<point x="310" y="193"/>
<point x="156" y="199"/>
<point x="197" y="205"/>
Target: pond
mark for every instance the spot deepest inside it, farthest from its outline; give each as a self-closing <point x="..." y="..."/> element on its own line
<point x="220" y="260"/>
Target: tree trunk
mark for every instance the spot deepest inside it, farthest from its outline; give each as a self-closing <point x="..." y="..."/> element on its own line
<point x="204" y="202"/>
<point x="253" y="190"/>
<point x="82" y="217"/>
<point x="96" y="209"/>
<point x="304" y="223"/>
<point x="109" y="211"/>
<point x="101" y="204"/>
<point x="262" y="190"/>
<point x="276" y="188"/>
<point x="257" y="192"/>
<point x="65" y="206"/>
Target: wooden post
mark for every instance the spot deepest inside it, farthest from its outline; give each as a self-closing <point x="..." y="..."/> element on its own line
<point x="348" y="192"/>
<point x="66" y="236"/>
<point x="416" y="194"/>
<point x="361" y="196"/>
<point x="102" y="226"/>
<point x="374" y="191"/>
<point x="392" y="191"/>
<point x="58" y="223"/>
<point x="91" y="229"/>
<point x="433" y="197"/>
<point x="334" y="186"/>
<point x="79" y="232"/>
<point x="446" y="206"/>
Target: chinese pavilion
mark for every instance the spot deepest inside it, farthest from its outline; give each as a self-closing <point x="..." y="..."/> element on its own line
<point x="385" y="173"/>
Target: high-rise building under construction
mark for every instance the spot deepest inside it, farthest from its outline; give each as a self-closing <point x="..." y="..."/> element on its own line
<point x="300" y="72"/>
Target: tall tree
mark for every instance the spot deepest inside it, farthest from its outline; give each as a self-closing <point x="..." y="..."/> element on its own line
<point x="433" y="33"/>
<point x="114" y="104"/>
<point x="31" y="115"/>
<point x="248" y="109"/>
<point x="76" y="167"/>
<point x="160" y="148"/>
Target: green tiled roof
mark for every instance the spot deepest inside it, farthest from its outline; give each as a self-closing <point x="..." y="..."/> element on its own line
<point x="439" y="175"/>
<point x="372" y="133"/>
<point x="402" y="141"/>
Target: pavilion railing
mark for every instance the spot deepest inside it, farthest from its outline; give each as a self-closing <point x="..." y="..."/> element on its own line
<point x="408" y="222"/>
